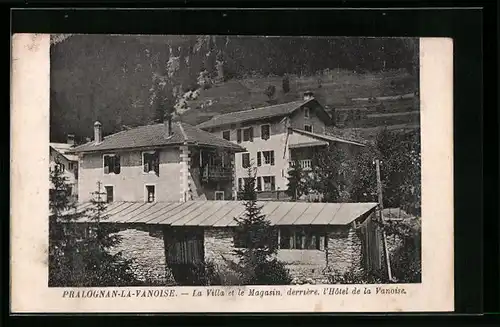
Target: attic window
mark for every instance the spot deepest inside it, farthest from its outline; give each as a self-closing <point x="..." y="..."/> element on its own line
<point x="111" y="164"/>
<point x="150" y="162"/>
<point x="308" y="128"/>
<point x="306" y="112"/>
<point x="226" y="135"/>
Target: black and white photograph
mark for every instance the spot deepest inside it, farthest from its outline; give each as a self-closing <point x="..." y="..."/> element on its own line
<point x="226" y="160"/>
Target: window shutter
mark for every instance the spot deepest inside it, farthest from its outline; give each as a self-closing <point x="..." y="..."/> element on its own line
<point x="156" y="164"/>
<point x="272" y="158"/>
<point x="272" y="183"/>
<point x="259" y="160"/>
<point x="259" y="184"/>
<point x="117" y="164"/>
<point x="251" y="134"/>
<point x="238" y="135"/>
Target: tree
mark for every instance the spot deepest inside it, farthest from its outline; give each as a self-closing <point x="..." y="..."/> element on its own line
<point x="257" y="263"/>
<point x="270" y="91"/>
<point x="330" y="176"/>
<point x="297" y="184"/>
<point x="285" y="84"/>
<point x="79" y="254"/>
<point x="102" y="268"/>
<point x="62" y="231"/>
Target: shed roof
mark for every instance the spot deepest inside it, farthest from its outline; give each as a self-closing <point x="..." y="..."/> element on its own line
<point x="155" y="135"/>
<point x="223" y="213"/>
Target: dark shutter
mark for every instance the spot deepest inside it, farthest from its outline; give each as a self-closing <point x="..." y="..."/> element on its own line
<point x="251" y="134"/>
<point x="259" y="184"/>
<point x="259" y="160"/>
<point x="272" y="158"/>
<point x="117" y="165"/>
<point x="156" y="163"/>
<point x="272" y="183"/>
<point x="238" y="135"/>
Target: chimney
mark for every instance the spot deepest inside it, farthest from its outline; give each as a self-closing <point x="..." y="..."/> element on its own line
<point x="71" y="139"/>
<point x="308" y="95"/>
<point x="97" y="132"/>
<point x="167" y="121"/>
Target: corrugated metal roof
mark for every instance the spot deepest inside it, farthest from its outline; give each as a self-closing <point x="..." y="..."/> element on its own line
<point x="223" y="213"/>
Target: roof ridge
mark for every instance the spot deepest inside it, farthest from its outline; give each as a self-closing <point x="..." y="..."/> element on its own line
<point x="259" y="108"/>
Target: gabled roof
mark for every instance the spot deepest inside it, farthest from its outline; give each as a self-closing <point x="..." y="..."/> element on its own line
<point x="326" y="137"/>
<point x="223" y="213"/>
<point x="155" y="136"/>
<point x="277" y="110"/>
<point x="64" y="149"/>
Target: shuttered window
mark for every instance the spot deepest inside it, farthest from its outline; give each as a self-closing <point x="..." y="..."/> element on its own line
<point x="238" y="135"/>
<point x="111" y="164"/>
<point x="151" y="162"/>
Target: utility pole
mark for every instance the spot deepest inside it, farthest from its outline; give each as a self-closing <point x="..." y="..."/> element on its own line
<point x="379" y="187"/>
<point x="381" y="207"/>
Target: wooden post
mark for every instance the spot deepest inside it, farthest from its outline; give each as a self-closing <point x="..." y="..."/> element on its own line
<point x="379" y="186"/>
<point x="381" y="207"/>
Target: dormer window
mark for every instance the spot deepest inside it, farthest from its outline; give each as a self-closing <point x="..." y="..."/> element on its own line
<point x="111" y="164"/>
<point x="306" y="112"/>
<point x="150" y="162"/>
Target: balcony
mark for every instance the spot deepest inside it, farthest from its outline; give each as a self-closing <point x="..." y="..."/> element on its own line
<point x="214" y="173"/>
<point x="305" y="164"/>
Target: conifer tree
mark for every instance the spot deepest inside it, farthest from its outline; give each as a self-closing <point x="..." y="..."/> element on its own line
<point x="258" y="248"/>
<point x="297" y="185"/>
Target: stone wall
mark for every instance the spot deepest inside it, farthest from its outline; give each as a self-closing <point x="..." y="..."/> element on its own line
<point x="218" y="245"/>
<point x="344" y="253"/>
<point x="147" y="255"/>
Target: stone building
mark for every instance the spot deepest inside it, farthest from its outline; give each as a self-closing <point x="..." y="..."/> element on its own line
<point x="313" y="238"/>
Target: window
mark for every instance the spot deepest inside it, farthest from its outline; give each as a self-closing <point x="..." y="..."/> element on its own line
<point x="150" y="193"/>
<point x="151" y="162"/>
<point x="268" y="183"/>
<point x="265" y="157"/>
<point x="238" y="135"/>
<point x="308" y="128"/>
<point x="248" y="134"/>
<point x="226" y="135"/>
<point x="245" y="160"/>
<point x="306" y="112"/>
<point x="242" y="239"/>
<point x="240" y="184"/>
<point x="111" y="164"/>
<point x="61" y="167"/>
<point x="109" y="193"/>
<point x="301" y="239"/>
<point x="71" y="166"/>
<point x="219" y="195"/>
<point x="265" y="131"/>
<point x="259" y="184"/>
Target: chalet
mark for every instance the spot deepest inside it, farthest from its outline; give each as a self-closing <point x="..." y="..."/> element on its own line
<point x="66" y="162"/>
<point x="276" y="137"/>
<point x="171" y="161"/>
<point x="176" y="182"/>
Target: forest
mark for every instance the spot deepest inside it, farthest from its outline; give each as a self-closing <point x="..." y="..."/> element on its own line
<point x="125" y="81"/>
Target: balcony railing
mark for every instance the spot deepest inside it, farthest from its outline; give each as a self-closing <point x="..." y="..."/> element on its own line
<point x="217" y="173"/>
<point x="305" y="164"/>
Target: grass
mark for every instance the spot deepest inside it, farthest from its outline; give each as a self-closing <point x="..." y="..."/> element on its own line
<point x="333" y="89"/>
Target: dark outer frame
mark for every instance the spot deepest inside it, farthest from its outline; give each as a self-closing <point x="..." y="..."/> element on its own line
<point x="466" y="26"/>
